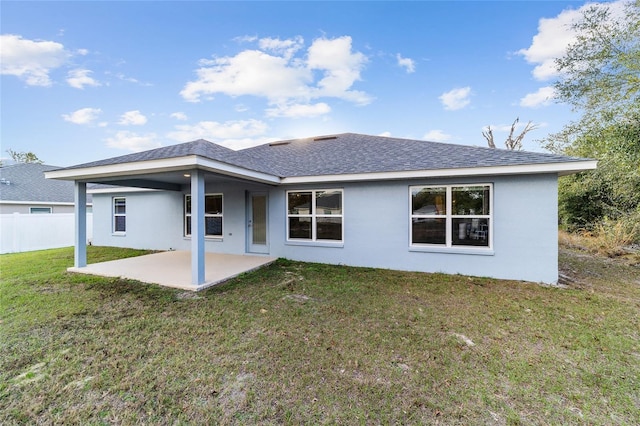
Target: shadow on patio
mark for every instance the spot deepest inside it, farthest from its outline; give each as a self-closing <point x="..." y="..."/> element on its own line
<point x="173" y="268"/>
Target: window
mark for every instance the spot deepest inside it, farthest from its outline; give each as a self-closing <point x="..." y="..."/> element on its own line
<point x="212" y="215"/>
<point x="451" y="216"/>
<point x="39" y="210"/>
<point x="119" y="215"/>
<point x="315" y="215"/>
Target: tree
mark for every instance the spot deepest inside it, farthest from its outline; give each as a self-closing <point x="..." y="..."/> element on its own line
<point x="613" y="189"/>
<point x="24" y="157"/>
<point x="511" y="143"/>
<point x="600" y="72"/>
<point x="600" y="77"/>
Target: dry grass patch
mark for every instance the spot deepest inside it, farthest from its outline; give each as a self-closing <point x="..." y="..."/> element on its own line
<point x="298" y="343"/>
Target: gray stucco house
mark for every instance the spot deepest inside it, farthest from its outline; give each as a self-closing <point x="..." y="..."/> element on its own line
<point x="343" y="199"/>
<point x="24" y="189"/>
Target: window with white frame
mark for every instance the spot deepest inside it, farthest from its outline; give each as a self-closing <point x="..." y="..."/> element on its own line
<point x="212" y="215"/>
<point x="451" y="215"/>
<point x="315" y="215"/>
<point x="39" y="210"/>
<point x="119" y="215"/>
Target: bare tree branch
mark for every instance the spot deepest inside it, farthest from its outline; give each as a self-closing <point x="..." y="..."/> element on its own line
<point x="511" y="143"/>
<point x="488" y="135"/>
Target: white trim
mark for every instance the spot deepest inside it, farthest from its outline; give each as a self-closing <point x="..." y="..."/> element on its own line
<point x="119" y="189"/>
<point x="314" y="215"/>
<point x="560" y="168"/>
<point x="449" y="217"/>
<point x="43" y="203"/>
<point x="191" y="161"/>
<point x="206" y="215"/>
<point x="41" y="207"/>
<point x="114" y="215"/>
<point x="160" y="166"/>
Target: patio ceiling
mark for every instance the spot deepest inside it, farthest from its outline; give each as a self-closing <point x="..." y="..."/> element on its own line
<point x="169" y="181"/>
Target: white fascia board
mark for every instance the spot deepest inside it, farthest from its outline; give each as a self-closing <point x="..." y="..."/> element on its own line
<point x="235" y="171"/>
<point x="120" y="189"/>
<point x="123" y="169"/>
<point x="560" y="168"/>
<point x="47" y="203"/>
<point x="160" y="166"/>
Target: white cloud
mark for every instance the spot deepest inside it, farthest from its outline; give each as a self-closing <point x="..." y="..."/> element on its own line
<point x="215" y="131"/>
<point x="553" y="37"/>
<point x="543" y="97"/>
<point x="250" y="72"/>
<point x="132" y="118"/>
<point x="436" y="136"/>
<point x="79" y="78"/>
<point x="245" y="39"/>
<point x="286" y="48"/>
<point x="385" y="134"/>
<point x="179" y="116"/>
<point x="279" y="72"/>
<point x="131" y="141"/>
<point x="299" y="110"/>
<point x="456" y="99"/>
<point x="30" y="60"/>
<point x="341" y="68"/>
<point x="82" y="116"/>
<point x="408" y="64"/>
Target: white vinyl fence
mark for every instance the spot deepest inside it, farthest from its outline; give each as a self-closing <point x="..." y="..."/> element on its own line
<point x="28" y="232"/>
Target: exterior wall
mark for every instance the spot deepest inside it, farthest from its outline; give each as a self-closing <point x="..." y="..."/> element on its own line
<point x="155" y="219"/>
<point x="376" y="221"/>
<point x="376" y="227"/>
<point x="23" y="208"/>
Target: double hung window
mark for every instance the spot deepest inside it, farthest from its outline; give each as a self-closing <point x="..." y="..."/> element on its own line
<point x="315" y="215"/>
<point x="451" y="215"/>
<point x="212" y="215"/>
<point x="119" y="215"/>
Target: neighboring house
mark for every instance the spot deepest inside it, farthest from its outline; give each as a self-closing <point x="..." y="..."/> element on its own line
<point x="24" y="189"/>
<point x="36" y="213"/>
<point x="344" y="199"/>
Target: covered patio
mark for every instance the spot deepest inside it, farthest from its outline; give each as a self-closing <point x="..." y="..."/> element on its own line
<point x="173" y="268"/>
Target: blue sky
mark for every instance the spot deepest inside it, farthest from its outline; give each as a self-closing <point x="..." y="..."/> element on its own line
<point x="83" y="81"/>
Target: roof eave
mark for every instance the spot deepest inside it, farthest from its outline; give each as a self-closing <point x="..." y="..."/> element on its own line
<point x="562" y="169"/>
<point x="137" y="168"/>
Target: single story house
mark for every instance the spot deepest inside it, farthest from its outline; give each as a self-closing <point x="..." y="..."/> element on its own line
<point x="24" y="190"/>
<point x="347" y="199"/>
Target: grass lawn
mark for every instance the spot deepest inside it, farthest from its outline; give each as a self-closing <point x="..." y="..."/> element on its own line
<point x="300" y="343"/>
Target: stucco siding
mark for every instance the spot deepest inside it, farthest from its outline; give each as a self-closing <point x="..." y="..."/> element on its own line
<point x="376" y="227"/>
<point x="376" y="221"/>
<point x="153" y="220"/>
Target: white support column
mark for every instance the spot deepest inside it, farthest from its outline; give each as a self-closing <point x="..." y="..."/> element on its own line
<point x="80" y="253"/>
<point x="197" y="227"/>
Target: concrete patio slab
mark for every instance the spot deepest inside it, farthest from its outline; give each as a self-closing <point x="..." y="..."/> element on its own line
<point x="173" y="268"/>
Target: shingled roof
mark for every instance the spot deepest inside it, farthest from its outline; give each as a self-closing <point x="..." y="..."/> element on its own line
<point x="345" y="154"/>
<point x="355" y="153"/>
<point x="25" y="182"/>
<point x="200" y="147"/>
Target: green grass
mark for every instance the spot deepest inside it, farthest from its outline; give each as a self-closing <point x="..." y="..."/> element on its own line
<point x="300" y="343"/>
